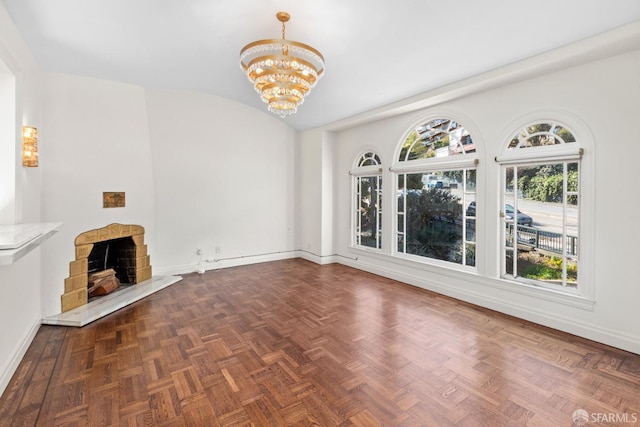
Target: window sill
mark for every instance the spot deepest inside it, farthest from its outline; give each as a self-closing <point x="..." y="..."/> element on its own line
<point x="20" y="239"/>
<point x="567" y="297"/>
<point x="430" y="264"/>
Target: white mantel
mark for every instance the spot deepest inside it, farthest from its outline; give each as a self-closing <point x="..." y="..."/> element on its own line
<point x="17" y="240"/>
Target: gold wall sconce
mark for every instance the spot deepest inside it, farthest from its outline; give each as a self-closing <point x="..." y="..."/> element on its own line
<point x="29" y="146"/>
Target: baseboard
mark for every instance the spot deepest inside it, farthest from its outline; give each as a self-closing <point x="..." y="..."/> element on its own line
<point x="175" y="270"/>
<point x="217" y="264"/>
<point x="539" y="316"/>
<point x="318" y="259"/>
<point x="18" y="354"/>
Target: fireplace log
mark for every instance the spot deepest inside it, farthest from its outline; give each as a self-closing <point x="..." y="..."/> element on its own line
<point x="102" y="282"/>
<point x="93" y="277"/>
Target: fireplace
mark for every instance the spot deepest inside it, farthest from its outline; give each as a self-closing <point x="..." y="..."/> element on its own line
<point x="116" y="246"/>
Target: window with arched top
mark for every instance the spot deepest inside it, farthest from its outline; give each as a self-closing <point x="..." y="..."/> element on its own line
<point x="540" y="211"/>
<point x="436" y="193"/>
<point x="367" y="201"/>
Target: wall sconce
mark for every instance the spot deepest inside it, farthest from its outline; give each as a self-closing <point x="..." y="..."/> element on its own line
<point x="29" y="146"/>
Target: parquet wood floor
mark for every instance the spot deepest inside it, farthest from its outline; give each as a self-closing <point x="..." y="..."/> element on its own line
<point x="291" y="343"/>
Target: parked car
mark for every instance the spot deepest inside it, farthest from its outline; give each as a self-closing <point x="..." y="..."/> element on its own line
<point x="437" y="182"/>
<point x="523" y="218"/>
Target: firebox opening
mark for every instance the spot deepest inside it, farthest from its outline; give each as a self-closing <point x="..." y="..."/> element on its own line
<point x="118" y="254"/>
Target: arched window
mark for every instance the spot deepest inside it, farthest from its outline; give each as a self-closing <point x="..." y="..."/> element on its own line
<point x="367" y="189"/>
<point x="540" y="212"/>
<point x="436" y="193"/>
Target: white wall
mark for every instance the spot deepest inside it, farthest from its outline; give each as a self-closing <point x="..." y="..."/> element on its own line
<point x="309" y="154"/>
<point x="19" y="282"/>
<point x="600" y="99"/>
<point x="20" y="312"/>
<point x="328" y="189"/>
<point x="224" y="177"/>
<point x="29" y="113"/>
<point x="8" y="145"/>
<point x="95" y="138"/>
<point x="314" y="196"/>
<point x="198" y="171"/>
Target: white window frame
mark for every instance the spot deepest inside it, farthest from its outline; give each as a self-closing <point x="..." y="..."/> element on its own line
<point x="573" y="152"/>
<point x="357" y="174"/>
<point x="460" y="162"/>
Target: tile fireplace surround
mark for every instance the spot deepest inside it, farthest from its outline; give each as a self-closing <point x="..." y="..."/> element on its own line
<point x="76" y="308"/>
<point x="75" y="286"/>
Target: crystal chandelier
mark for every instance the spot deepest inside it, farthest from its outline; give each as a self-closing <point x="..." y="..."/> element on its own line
<point x="282" y="71"/>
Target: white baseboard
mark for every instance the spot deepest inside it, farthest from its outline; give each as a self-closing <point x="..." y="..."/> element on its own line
<point x="318" y="259"/>
<point x="18" y="354"/>
<point x="226" y="263"/>
<point x="483" y="298"/>
<point x="175" y="270"/>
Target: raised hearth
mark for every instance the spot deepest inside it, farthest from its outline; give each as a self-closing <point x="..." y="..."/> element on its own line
<point x="100" y="307"/>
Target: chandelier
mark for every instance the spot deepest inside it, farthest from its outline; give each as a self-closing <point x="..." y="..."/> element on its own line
<point x="282" y="71"/>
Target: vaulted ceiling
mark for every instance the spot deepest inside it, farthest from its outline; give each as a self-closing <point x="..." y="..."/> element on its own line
<point x="377" y="51"/>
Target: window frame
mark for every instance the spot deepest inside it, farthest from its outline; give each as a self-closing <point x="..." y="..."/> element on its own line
<point x="357" y="173"/>
<point x="402" y="166"/>
<point x="564" y="255"/>
<point x="573" y="152"/>
<point x="466" y="244"/>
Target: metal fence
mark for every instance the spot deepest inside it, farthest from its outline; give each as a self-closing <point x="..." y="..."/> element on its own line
<point x="544" y="240"/>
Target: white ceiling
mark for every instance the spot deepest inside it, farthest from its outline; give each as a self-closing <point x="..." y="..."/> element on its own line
<point x="377" y="51"/>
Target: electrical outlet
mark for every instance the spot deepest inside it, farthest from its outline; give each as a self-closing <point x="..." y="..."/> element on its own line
<point x="218" y="249"/>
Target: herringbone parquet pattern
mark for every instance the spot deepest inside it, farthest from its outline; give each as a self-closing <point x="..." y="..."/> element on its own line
<point x="291" y="343"/>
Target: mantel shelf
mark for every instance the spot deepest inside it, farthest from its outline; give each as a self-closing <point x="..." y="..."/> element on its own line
<point x="20" y="239"/>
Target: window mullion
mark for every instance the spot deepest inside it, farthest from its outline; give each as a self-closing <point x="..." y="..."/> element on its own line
<point x="464" y="222"/>
<point x="379" y="213"/>
<point x="514" y="221"/>
<point x="358" y="207"/>
<point x="565" y="230"/>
